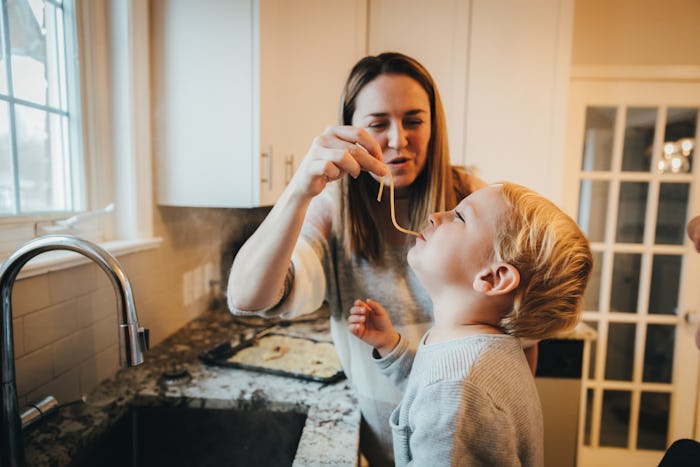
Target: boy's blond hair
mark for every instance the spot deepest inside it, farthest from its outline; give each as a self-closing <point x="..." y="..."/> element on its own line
<point x="554" y="259"/>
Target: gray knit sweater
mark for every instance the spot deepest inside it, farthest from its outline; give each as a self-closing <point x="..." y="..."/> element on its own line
<point x="470" y="401"/>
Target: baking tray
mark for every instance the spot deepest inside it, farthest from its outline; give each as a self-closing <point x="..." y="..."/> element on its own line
<point x="220" y="354"/>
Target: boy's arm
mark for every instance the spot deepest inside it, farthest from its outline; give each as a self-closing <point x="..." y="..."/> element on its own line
<point x="370" y="322"/>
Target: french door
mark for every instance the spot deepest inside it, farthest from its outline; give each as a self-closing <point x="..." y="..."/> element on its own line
<point x="634" y="182"/>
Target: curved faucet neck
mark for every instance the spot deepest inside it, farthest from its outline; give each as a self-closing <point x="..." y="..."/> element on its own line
<point x="133" y="340"/>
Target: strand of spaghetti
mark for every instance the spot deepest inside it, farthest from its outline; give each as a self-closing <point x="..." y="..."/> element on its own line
<point x="391" y="201"/>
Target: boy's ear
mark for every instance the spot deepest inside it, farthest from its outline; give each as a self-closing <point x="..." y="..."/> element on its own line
<point x="497" y="279"/>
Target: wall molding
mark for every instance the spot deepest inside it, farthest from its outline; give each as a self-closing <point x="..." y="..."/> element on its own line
<point x="636" y="72"/>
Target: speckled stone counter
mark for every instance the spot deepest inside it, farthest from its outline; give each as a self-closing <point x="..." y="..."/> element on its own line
<point x="331" y="431"/>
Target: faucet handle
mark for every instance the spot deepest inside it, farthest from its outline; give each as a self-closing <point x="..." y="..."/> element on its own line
<point x="144" y="339"/>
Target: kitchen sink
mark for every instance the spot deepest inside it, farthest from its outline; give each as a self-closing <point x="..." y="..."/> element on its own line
<point x="183" y="436"/>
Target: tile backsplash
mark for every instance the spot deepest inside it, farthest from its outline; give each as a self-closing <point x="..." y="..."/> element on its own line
<point x="65" y="322"/>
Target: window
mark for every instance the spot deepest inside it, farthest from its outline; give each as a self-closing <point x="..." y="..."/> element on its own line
<point x="74" y="94"/>
<point x="41" y="169"/>
<point x="41" y="158"/>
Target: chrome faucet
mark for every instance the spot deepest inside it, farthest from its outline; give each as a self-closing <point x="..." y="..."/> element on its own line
<point x="133" y="340"/>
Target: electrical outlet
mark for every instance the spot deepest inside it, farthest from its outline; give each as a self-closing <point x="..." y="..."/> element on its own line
<point x="198" y="288"/>
<point x="187" y="288"/>
<point x="210" y="274"/>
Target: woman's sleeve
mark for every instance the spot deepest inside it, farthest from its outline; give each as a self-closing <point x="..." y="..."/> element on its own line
<point x="304" y="288"/>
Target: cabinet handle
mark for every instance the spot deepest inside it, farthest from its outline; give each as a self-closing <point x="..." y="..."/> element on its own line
<point x="289" y="168"/>
<point x="267" y="155"/>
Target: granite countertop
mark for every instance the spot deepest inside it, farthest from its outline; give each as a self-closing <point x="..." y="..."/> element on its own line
<point x="331" y="430"/>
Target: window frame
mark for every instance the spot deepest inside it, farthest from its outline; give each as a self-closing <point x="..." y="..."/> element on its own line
<point x="114" y="77"/>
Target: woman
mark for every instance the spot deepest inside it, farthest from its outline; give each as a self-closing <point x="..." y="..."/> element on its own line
<point x="335" y="242"/>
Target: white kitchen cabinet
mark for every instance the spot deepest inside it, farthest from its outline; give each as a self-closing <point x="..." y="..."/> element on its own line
<point x="502" y="67"/>
<point x="517" y="91"/>
<point x="240" y="88"/>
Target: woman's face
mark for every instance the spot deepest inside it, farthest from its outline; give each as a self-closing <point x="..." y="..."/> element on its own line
<point x="395" y="110"/>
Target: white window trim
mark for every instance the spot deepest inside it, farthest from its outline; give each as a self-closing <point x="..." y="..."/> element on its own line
<point x="52" y="261"/>
<point x="116" y="115"/>
<point x="117" y="112"/>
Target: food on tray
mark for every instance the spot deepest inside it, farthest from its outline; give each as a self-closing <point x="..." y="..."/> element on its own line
<point x="291" y="354"/>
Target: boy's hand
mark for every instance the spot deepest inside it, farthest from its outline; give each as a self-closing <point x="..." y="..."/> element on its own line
<point x="370" y="322"/>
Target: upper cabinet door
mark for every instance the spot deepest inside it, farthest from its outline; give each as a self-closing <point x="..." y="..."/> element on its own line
<point x="435" y="33"/>
<point x="502" y="68"/>
<point x="519" y="62"/>
<point x="241" y="89"/>
<point x="307" y="48"/>
<point x="203" y="113"/>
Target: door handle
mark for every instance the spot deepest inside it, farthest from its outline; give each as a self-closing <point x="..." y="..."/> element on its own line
<point x="690" y="317"/>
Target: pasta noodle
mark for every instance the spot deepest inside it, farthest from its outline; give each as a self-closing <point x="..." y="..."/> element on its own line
<point x="391" y="201"/>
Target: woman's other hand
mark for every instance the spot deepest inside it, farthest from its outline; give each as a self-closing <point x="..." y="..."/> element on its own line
<point x="340" y="150"/>
<point x="370" y="322"/>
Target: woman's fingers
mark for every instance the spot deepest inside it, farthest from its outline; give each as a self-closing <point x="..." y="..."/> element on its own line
<point x="340" y="150"/>
<point x="360" y="150"/>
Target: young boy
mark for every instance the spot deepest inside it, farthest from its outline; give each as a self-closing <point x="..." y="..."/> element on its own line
<point x="505" y="263"/>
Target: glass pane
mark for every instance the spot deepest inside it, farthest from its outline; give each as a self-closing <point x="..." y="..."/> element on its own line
<point x="3" y="62"/>
<point x="589" y="414"/>
<point x="665" y="275"/>
<point x="7" y="181"/>
<point x="615" y="418"/>
<point x="43" y="173"/>
<point x="28" y="44"/>
<point x="55" y="44"/>
<point x="620" y="355"/>
<point x="625" y="282"/>
<point x="639" y="139"/>
<point x="670" y="222"/>
<point x="679" y="142"/>
<point x="593" y="208"/>
<point x="598" y="138"/>
<point x="653" y="421"/>
<point x="591" y="298"/>
<point x="594" y="350"/>
<point x="658" y="353"/>
<point x="631" y="212"/>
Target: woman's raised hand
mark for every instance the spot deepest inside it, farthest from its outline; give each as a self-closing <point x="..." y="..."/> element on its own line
<point x="340" y="150"/>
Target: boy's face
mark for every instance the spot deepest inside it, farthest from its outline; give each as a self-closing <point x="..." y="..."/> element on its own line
<point x="458" y="243"/>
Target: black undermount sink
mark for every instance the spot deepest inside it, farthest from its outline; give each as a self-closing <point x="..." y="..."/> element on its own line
<point x="196" y="437"/>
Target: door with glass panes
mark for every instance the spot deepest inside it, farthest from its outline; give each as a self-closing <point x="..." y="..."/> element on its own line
<point x="634" y="183"/>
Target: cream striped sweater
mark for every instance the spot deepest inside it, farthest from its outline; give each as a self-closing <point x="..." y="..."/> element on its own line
<point x="470" y="401"/>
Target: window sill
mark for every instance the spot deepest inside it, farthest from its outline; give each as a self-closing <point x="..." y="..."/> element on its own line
<point x="57" y="260"/>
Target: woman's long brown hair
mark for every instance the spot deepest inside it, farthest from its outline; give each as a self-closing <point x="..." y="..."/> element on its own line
<point x="437" y="188"/>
